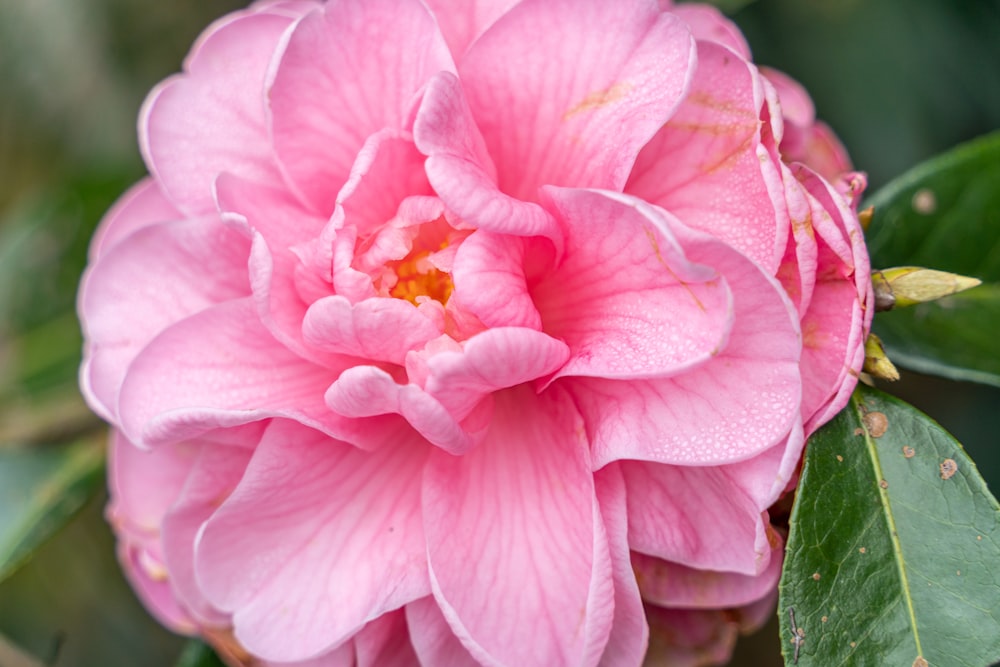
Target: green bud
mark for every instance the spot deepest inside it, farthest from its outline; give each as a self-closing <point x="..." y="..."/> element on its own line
<point x="909" y="285"/>
<point x="877" y="362"/>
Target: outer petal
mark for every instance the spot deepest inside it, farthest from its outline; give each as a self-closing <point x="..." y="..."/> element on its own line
<point x="158" y="275"/>
<point x="567" y="92"/>
<point x="290" y="552"/>
<point x="672" y="585"/>
<point x="461" y="21"/>
<point x="143" y="204"/>
<point x="501" y="537"/>
<point x="433" y="639"/>
<point x="707" y="22"/>
<point x="742" y="402"/>
<point x="219" y="368"/>
<point x="385" y="642"/>
<point x="212" y="119"/>
<point x="624" y="297"/>
<point x="347" y="72"/>
<point x="708" y="166"/>
<point x="630" y="632"/>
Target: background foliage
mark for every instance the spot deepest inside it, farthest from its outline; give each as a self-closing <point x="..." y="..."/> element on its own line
<point x="899" y="80"/>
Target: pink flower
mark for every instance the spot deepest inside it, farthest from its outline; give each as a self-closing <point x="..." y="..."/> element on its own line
<point x="457" y="332"/>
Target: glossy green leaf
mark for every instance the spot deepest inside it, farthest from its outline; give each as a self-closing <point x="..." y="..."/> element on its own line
<point x="198" y="654"/>
<point x="41" y="488"/>
<point x="894" y="545"/>
<point x="945" y="214"/>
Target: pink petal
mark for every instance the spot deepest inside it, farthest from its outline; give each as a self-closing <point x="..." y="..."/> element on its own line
<point x="290" y="553"/>
<point x="432" y="637"/>
<point x="218" y="368"/>
<point x="153" y="588"/>
<point x="707" y="166"/>
<point x="143" y="204"/>
<point x="367" y="391"/>
<point x="707" y="22"/>
<point x="461" y="21"/>
<point x="342" y="656"/>
<point x="379" y="329"/>
<point x="347" y="72"/>
<point x="212" y="118"/>
<point x="385" y="642"/>
<point x="673" y="585"/>
<point x="491" y="278"/>
<point x="624" y="297"/>
<point x="741" y="402"/>
<point x="629" y="633"/>
<point x="214" y="475"/>
<point x="492" y="360"/>
<point x="158" y="275"/>
<point x="566" y="92"/>
<point x="514" y="525"/>
<point x="461" y="170"/>
<point x="691" y="637"/>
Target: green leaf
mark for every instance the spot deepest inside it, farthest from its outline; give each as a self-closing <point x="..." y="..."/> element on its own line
<point x="893" y="547"/>
<point x="41" y="488"/>
<point x="945" y="214"/>
<point x="198" y="654"/>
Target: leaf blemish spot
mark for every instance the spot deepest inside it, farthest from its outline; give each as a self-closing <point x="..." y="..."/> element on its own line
<point x="884" y="484"/>
<point x="924" y="201"/>
<point x="824" y="619"/>
<point x="862" y="550"/>
<point x="908" y="451"/>
<point x="816" y="576"/>
<point x="853" y="644"/>
<point x="859" y="431"/>
<point x="876" y="423"/>
<point x="839" y="457"/>
<point x="920" y="662"/>
<point x="948" y="468"/>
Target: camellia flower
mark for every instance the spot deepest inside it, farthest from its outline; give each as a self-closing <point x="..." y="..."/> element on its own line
<point x="456" y="333"/>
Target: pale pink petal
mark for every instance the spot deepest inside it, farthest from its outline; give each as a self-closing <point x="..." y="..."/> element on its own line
<point x="624" y="297"/>
<point x="379" y="329"/>
<point x="158" y="275"/>
<point x="332" y="88"/>
<point x="212" y="118"/>
<point x="797" y="272"/>
<point x="566" y="92"/>
<point x="385" y="642"/>
<point x="708" y="166"/>
<point x="432" y="637"/>
<point x="501" y="537"/>
<point x="672" y="585"/>
<point x="342" y="656"/>
<point x="150" y="583"/>
<point x="143" y="204"/>
<point x="492" y="360"/>
<point x="214" y="475"/>
<point x="629" y="632"/>
<point x="492" y="281"/>
<point x="461" y="21"/>
<point x="218" y="368"/>
<point x="290" y="551"/>
<point x="461" y="170"/>
<point x="741" y="402"/>
<point x="707" y="22"/>
<point x="367" y="391"/>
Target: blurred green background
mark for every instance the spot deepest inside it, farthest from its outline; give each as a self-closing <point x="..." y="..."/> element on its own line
<point x="898" y="80"/>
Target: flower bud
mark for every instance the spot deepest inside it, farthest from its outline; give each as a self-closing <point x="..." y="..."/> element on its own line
<point x="877" y="362"/>
<point x="909" y="285"/>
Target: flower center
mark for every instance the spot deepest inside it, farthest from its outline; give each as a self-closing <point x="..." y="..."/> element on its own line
<point x="416" y="276"/>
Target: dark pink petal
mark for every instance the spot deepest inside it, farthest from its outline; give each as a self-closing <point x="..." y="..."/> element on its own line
<point x="379" y="329"/>
<point x="158" y="275"/>
<point x="489" y="361"/>
<point x="624" y="297"/>
<point x="672" y="585"/>
<point x="461" y="170"/>
<point x="219" y="368"/>
<point x="707" y="22"/>
<point x="214" y="476"/>
<point x="566" y="92"/>
<point x="629" y="632"/>
<point x="290" y="551"/>
<point x="143" y="204"/>
<point x="347" y="72"/>
<point x="691" y="637"/>
<point x="708" y="166"/>
<point x="432" y="637"/>
<point x="385" y="642"/>
<point x="741" y="402"/>
<point x="514" y="525"/>
<point x="212" y="118"/>
<point x="461" y="21"/>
